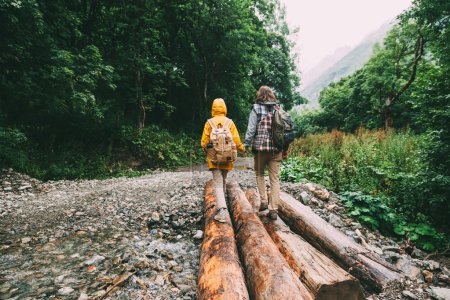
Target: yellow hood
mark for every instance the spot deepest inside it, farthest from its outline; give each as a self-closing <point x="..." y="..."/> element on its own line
<point x="218" y="108"/>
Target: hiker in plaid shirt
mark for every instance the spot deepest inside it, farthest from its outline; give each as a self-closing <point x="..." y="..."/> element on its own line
<point x="259" y="136"/>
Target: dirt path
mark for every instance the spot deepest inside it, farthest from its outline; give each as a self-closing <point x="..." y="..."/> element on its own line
<point x="74" y="239"/>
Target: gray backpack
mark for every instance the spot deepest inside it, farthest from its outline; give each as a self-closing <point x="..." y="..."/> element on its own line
<point x="283" y="132"/>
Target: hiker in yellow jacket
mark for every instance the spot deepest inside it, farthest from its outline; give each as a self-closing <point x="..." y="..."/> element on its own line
<point x="220" y="170"/>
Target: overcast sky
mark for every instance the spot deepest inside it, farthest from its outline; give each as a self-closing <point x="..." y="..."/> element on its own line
<point x="326" y="25"/>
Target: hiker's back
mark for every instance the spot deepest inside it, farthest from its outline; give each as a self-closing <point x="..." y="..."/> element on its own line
<point x="223" y="147"/>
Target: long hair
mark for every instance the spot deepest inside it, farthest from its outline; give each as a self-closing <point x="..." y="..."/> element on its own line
<point x="265" y="94"/>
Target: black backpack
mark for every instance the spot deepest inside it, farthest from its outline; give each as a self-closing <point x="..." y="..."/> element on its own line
<point x="283" y="132"/>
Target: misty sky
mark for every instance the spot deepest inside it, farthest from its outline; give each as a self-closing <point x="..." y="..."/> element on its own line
<point x="326" y="25"/>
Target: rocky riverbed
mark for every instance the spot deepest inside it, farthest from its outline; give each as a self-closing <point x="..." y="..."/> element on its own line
<point x="139" y="238"/>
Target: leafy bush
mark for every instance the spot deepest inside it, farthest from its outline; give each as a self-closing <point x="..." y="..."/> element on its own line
<point x="12" y="145"/>
<point x="376" y="212"/>
<point x="160" y="148"/>
<point x="390" y="168"/>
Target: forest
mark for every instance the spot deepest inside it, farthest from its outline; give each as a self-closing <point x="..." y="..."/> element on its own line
<point x="90" y="88"/>
<point x="94" y="89"/>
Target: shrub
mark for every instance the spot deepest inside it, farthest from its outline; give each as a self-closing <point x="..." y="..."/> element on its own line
<point x="390" y="169"/>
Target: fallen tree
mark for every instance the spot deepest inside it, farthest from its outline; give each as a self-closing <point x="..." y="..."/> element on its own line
<point x="253" y="198"/>
<point x="368" y="267"/>
<point x="268" y="274"/>
<point x="220" y="273"/>
<point x="325" y="279"/>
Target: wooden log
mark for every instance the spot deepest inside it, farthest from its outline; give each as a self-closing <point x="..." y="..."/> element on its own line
<point x="368" y="267"/>
<point x="220" y="273"/>
<point x="324" y="279"/>
<point x="253" y="197"/>
<point x="268" y="274"/>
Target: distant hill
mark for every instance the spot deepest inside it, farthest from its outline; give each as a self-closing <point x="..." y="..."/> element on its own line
<point x="345" y="66"/>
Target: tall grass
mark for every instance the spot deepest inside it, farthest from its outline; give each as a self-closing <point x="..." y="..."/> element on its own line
<point x="387" y="167"/>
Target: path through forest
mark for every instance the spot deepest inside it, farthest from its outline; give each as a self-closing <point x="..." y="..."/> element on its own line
<point x="142" y="235"/>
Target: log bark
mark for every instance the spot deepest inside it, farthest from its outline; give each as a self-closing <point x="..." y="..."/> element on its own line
<point x="324" y="279"/>
<point x="253" y="197"/>
<point x="368" y="267"/>
<point x="268" y="274"/>
<point x="220" y="273"/>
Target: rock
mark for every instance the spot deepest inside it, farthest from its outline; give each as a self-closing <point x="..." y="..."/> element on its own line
<point x="64" y="291"/>
<point x="335" y="221"/>
<point x="159" y="280"/>
<point x="391" y="257"/>
<point x="428" y="275"/>
<point x="94" y="260"/>
<point x="198" y="235"/>
<point x="83" y="296"/>
<point x="439" y="293"/>
<point x="331" y="207"/>
<point x="434" y="265"/>
<point x="184" y="288"/>
<point x="305" y="197"/>
<point x="155" y="217"/>
<point x="409" y="295"/>
<point x="408" y="268"/>
<point x="26" y="240"/>
<point x="391" y="248"/>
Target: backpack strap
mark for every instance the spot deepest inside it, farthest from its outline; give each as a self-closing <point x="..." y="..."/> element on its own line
<point x="227" y="123"/>
<point x="212" y="124"/>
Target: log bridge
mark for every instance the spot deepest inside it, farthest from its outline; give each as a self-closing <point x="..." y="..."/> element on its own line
<point x="299" y="256"/>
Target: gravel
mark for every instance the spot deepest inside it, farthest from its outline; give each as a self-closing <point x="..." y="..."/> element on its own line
<point x="74" y="239"/>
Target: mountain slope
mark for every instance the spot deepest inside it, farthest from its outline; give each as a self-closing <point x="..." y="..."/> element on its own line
<point x="351" y="62"/>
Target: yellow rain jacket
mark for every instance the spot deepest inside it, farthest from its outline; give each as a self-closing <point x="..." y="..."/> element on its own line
<point x="219" y="112"/>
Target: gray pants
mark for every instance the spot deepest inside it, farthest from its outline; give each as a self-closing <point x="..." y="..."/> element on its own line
<point x="219" y="178"/>
<point x="273" y="162"/>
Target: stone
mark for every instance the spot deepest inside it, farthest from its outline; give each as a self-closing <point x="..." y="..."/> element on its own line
<point x="409" y="295"/>
<point x="439" y="293"/>
<point x="94" y="260"/>
<point x="159" y="280"/>
<point x="335" y="221"/>
<point x="408" y="268"/>
<point x="391" y="249"/>
<point x="305" y="197"/>
<point x="26" y="240"/>
<point x="198" y="235"/>
<point x="155" y="217"/>
<point x="428" y="275"/>
<point x="331" y="207"/>
<point x="83" y="296"/>
<point x="434" y="265"/>
<point x="64" y="291"/>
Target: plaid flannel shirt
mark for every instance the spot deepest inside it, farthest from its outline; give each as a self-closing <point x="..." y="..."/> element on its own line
<point x="263" y="138"/>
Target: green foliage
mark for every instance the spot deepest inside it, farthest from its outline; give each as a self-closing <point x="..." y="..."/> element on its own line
<point x="390" y="167"/>
<point x="12" y="144"/>
<point x="159" y="148"/>
<point x="73" y="74"/>
<point x="377" y="212"/>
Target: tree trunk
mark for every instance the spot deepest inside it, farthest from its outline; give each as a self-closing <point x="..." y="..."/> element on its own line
<point x="220" y="273"/>
<point x="325" y="279"/>
<point x="368" y="267"/>
<point x="268" y="274"/>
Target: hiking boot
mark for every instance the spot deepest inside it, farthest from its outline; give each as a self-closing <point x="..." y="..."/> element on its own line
<point x="273" y="215"/>
<point x="221" y="215"/>
<point x="264" y="206"/>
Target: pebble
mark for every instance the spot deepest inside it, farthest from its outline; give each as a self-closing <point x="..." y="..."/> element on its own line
<point x="94" y="260"/>
<point x="64" y="291"/>
<point x="409" y="295"/>
<point x="198" y="235"/>
<point x="26" y="240"/>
